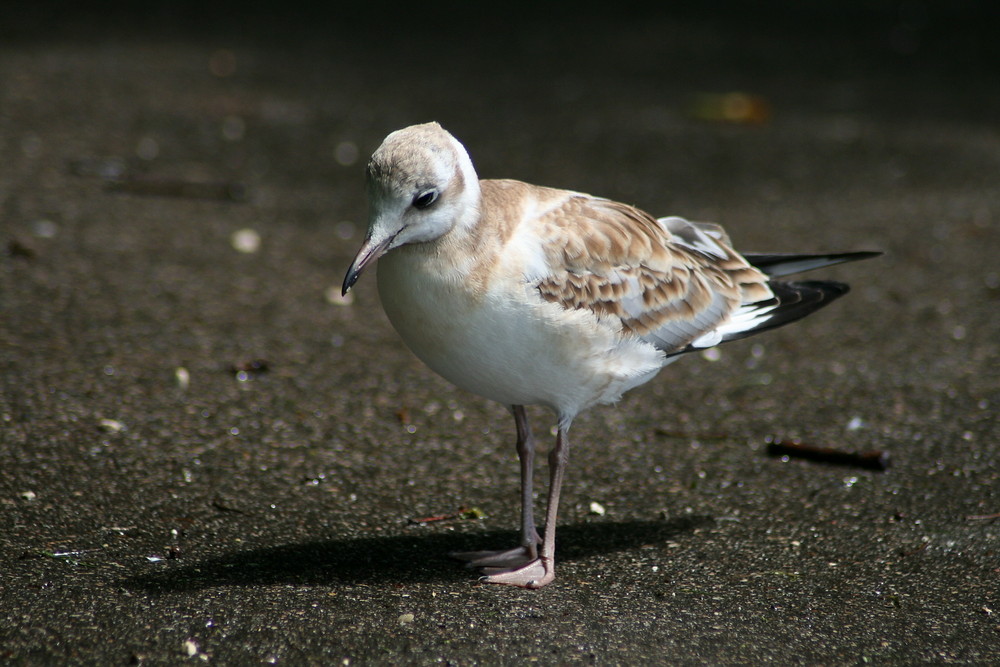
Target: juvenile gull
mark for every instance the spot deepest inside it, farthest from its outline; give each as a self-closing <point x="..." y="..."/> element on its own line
<point x="534" y="296"/>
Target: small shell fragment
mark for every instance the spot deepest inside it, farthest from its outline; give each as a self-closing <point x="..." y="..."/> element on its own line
<point x="111" y="425"/>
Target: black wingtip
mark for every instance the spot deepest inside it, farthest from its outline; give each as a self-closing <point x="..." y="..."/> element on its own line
<point x="777" y="265"/>
<point x="796" y="300"/>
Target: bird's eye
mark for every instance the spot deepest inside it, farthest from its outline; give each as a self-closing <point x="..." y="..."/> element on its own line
<point x="425" y="199"/>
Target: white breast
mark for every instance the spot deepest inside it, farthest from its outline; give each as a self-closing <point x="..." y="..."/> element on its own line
<point x="505" y="343"/>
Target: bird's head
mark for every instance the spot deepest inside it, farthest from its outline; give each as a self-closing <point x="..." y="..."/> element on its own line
<point x="421" y="184"/>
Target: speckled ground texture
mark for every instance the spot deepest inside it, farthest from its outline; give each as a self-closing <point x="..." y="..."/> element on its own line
<point x="237" y="514"/>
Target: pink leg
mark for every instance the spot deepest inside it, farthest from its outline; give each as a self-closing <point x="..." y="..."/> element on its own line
<point x="528" y="550"/>
<point x="542" y="570"/>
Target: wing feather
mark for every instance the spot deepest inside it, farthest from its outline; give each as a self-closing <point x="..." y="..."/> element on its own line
<point x="669" y="282"/>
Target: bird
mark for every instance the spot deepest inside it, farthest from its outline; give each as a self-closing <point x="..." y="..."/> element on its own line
<point x="530" y="295"/>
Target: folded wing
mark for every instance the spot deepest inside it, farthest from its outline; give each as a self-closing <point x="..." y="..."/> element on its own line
<point x="675" y="284"/>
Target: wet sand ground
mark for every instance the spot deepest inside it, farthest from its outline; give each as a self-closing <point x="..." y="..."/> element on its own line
<point x="205" y="456"/>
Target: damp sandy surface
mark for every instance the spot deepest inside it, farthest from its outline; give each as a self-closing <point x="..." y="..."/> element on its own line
<point x="207" y="455"/>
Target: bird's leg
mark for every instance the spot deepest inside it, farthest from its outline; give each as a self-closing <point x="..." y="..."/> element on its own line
<point x="526" y="455"/>
<point x="528" y="550"/>
<point x="542" y="570"/>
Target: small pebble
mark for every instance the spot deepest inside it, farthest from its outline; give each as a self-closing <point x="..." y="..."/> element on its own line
<point x="233" y="128"/>
<point x="182" y="377"/>
<point x="246" y="241"/>
<point x="334" y="296"/>
<point x="344" y="230"/>
<point x="147" y="148"/>
<point x="44" y="229"/>
<point x="711" y="354"/>
<point x="346" y="153"/>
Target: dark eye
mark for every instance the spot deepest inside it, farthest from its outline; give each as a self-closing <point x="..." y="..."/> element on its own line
<point x="425" y="199"/>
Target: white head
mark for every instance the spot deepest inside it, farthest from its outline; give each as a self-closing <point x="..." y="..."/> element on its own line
<point x="421" y="184"/>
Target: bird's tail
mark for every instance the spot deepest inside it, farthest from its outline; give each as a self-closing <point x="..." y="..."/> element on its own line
<point x="790" y="301"/>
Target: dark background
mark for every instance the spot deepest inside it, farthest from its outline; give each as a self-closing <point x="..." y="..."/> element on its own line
<point x="261" y="512"/>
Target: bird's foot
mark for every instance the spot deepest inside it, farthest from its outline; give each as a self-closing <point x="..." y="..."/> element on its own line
<point x="535" y="574"/>
<point x="503" y="559"/>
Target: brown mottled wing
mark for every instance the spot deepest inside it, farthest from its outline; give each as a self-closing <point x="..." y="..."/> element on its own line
<point x="669" y="282"/>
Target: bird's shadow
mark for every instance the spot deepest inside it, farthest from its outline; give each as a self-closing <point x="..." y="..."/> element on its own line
<point x="393" y="559"/>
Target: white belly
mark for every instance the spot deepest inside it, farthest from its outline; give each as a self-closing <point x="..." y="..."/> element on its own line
<point x="505" y="343"/>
